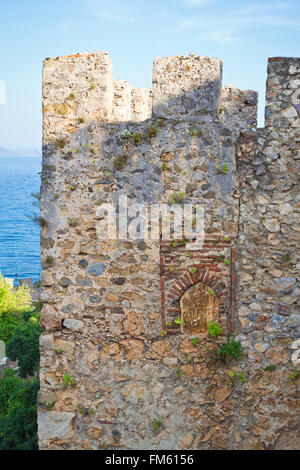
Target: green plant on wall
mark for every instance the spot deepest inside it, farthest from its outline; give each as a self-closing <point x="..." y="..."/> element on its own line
<point x="136" y="138"/>
<point x="294" y="374"/>
<point x="151" y="132"/>
<point x="242" y="377"/>
<point x="58" y="350"/>
<point x="82" y="410"/>
<point x="124" y="136"/>
<point x="48" y="405"/>
<point x="68" y="381"/>
<point x="271" y="368"/>
<point x="232" y="350"/>
<point x="214" y="329"/>
<point x="156" y="425"/>
<point x="179" y="321"/>
<point x="49" y="260"/>
<point x="72" y="222"/>
<point x="223" y="168"/>
<point x="212" y="292"/>
<point x="231" y="377"/>
<point x="60" y="143"/>
<point x="176" y="197"/>
<point x="196" y="133"/>
<point x="121" y="161"/>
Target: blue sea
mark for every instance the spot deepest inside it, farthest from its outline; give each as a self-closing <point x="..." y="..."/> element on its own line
<point x="19" y="236"/>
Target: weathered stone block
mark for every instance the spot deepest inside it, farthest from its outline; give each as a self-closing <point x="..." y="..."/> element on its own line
<point x="283" y="92"/>
<point x="50" y="318"/>
<point x="55" y="425"/>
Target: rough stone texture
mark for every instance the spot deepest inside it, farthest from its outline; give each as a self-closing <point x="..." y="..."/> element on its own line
<point x="54" y="425"/>
<point x="189" y="86"/>
<point x="131" y="104"/>
<point x="50" y="318"/>
<point x="114" y="297"/>
<point x="283" y="92"/>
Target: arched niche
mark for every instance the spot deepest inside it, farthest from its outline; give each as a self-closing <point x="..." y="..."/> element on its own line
<point x="199" y="304"/>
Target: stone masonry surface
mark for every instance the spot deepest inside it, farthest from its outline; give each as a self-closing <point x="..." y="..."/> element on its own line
<point x="109" y="378"/>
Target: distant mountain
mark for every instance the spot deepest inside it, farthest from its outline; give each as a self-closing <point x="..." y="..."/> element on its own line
<point x="19" y="152"/>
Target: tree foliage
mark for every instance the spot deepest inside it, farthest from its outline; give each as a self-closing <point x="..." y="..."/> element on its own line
<point x="13" y="302"/>
<point x="18" y="412"/>
<point x="24" y="347"/>
<point x="20" y="329"/>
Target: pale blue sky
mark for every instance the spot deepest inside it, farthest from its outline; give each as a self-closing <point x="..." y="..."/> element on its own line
<point x="134" y="32"/>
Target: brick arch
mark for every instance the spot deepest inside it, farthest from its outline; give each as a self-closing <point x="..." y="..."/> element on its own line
<point x="172" y="306"/>
<point x="188" y="279"/>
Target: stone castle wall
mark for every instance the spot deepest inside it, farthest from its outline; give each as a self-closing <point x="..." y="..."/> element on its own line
<point x="111" y="306"/>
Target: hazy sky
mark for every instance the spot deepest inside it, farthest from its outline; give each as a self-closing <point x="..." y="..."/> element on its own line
<point x="243" y="33"/>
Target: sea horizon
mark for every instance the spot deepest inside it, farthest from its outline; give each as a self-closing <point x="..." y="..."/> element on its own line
<point x="19" y="236"/>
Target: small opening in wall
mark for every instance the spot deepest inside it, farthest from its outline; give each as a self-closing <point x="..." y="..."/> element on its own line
<point x="199" y="305"/>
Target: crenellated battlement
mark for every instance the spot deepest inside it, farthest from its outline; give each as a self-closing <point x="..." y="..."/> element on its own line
<point x="81" y="87"/>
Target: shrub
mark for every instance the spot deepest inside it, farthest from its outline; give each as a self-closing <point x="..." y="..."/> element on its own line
<point x="156" y="425"/>
<point x="19" y="326"/>
<point x="13" y="302"/>
<point x="24" y="346"/>
<point x="136" y="138"/>
<point x="124" y="136"/>
<point x="196" y="133"/>
<point x="179" y="321"/>
<point x="223" y="169"/>
<point x="121" y="161"/>
<point x="214" y="329"/>
<point x="60" y="143"/>
<point x="151" y="132"/>
<point x="271" y="368"/>
<point x="229" y="351"/>
<point x="294" y="374"/>
<point x="18" y="414"/>
<point x="68" y="381"/>
<point x="176" y="197"/>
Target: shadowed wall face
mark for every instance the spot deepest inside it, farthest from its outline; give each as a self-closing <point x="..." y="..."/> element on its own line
<point x="115" y="356"/>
